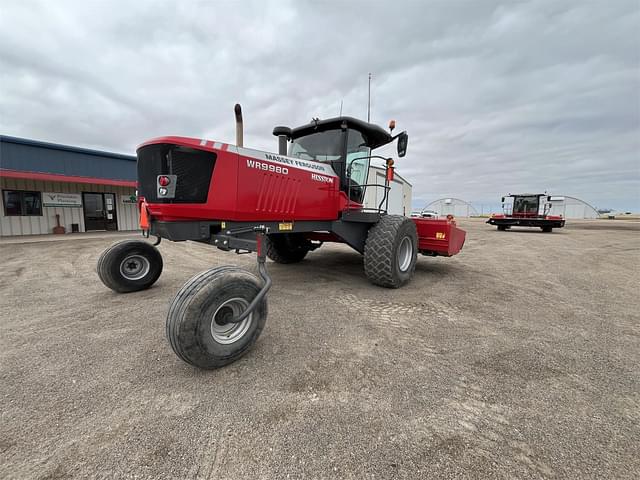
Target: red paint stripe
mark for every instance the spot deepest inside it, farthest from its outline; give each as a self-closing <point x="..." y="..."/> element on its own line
<point x="54" y="177"/>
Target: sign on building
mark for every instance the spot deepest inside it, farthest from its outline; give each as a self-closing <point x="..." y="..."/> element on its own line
<point x="50" y="199"/>
<point x="128" y="199"/>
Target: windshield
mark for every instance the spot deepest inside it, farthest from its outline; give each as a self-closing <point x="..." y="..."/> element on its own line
<point x="329" y="147"/>
<point x="526" y="205"/>
<point x="320" y="146"/>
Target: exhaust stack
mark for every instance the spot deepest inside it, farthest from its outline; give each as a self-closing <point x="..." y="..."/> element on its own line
<point x="238" y="111"/>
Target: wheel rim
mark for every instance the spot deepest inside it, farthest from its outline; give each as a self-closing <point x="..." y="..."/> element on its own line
<point x="134" y="267"/>
<point x="405" y="254"/>
<point x="226" y="333"/>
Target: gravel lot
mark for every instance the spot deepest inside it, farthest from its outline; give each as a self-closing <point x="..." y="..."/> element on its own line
<point x="520" y="357"/>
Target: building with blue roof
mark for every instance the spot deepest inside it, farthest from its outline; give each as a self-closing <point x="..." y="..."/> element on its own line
<point x="45" y="185"/>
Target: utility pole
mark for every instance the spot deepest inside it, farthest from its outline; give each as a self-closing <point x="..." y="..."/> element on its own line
<point x="369" y="101"/>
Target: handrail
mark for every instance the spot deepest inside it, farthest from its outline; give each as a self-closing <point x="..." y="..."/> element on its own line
<point x="386" y="187"/>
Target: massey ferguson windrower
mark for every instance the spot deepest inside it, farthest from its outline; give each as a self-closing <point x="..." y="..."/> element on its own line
<point x="281" y="206"/>
<point x="527" y="210"/>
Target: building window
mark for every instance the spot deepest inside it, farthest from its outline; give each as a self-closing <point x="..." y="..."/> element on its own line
<point x="20" y="203"/>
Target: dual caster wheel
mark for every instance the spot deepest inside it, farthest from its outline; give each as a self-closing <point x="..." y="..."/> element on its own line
<point x="201" y="324"/>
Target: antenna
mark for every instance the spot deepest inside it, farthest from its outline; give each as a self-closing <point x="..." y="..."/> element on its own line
<point x="341" y="107"/>
<point x="369" y="101"/>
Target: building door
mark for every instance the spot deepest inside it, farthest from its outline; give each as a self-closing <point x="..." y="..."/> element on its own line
<point x="99" y="211"/>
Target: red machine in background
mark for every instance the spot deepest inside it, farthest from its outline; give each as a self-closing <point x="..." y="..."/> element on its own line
<point x="279" y="205"/>
<point x="527" y="210"/>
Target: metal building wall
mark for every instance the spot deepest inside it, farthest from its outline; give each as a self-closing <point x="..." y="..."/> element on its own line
<point x="127" y="215"/>
<point x="407" y="191"/>
<point x="400" y="193"/>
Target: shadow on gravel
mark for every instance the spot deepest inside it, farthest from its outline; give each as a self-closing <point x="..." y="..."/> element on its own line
<point x="605" y="225"/>
<point x="535" y="230"/>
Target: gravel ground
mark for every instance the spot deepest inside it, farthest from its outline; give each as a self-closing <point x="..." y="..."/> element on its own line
<point x="520" y="357"/>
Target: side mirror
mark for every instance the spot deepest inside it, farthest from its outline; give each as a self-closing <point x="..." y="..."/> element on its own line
<point x="502" y="199"/>
<point x="403" y="140"/>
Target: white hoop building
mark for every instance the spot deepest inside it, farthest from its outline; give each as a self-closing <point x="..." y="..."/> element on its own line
<point x="571" y="207"/>
<point x="452" y="206"/>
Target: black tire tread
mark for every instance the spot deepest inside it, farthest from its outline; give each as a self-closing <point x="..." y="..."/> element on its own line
<point x="180" y="304"/>
<point x="286" y="250"/>
<point x="104" y="263"/>
<point x="379" y="255"/>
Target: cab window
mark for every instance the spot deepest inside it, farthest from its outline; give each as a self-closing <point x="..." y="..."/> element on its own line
<point x="357" y="158"/>
<point x="357" y="166"/>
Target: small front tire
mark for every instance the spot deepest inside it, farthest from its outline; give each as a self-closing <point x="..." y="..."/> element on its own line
<point x="129" y="266"/>
<point x="197" y="327"/>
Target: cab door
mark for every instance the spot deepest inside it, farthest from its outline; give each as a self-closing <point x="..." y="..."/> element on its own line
<point x="357" y="166"/>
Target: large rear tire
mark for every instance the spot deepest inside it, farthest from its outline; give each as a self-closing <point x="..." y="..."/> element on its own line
<point x="287" y="247"/>
<point x="129" y="266"/>
<point x="196" y="323"/>
<point x="391" y="251"/>
<point x="547" y="229"/>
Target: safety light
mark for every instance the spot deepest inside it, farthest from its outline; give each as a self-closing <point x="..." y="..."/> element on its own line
<point x="164" y="181"/>
<point x="390" y="172"/>
<point x="162" y="191"/>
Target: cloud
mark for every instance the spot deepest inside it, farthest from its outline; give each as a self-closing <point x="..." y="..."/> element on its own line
<point x="497" y="97"/>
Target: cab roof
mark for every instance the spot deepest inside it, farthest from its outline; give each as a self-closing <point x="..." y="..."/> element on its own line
<point x="526" y="195"/>
<point x="374" y="135"/>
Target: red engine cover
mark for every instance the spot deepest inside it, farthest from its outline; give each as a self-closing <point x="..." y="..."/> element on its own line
<point x="250" y="185"/>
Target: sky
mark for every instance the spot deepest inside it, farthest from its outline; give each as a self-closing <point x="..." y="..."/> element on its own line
<point x="497" y="97"/>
